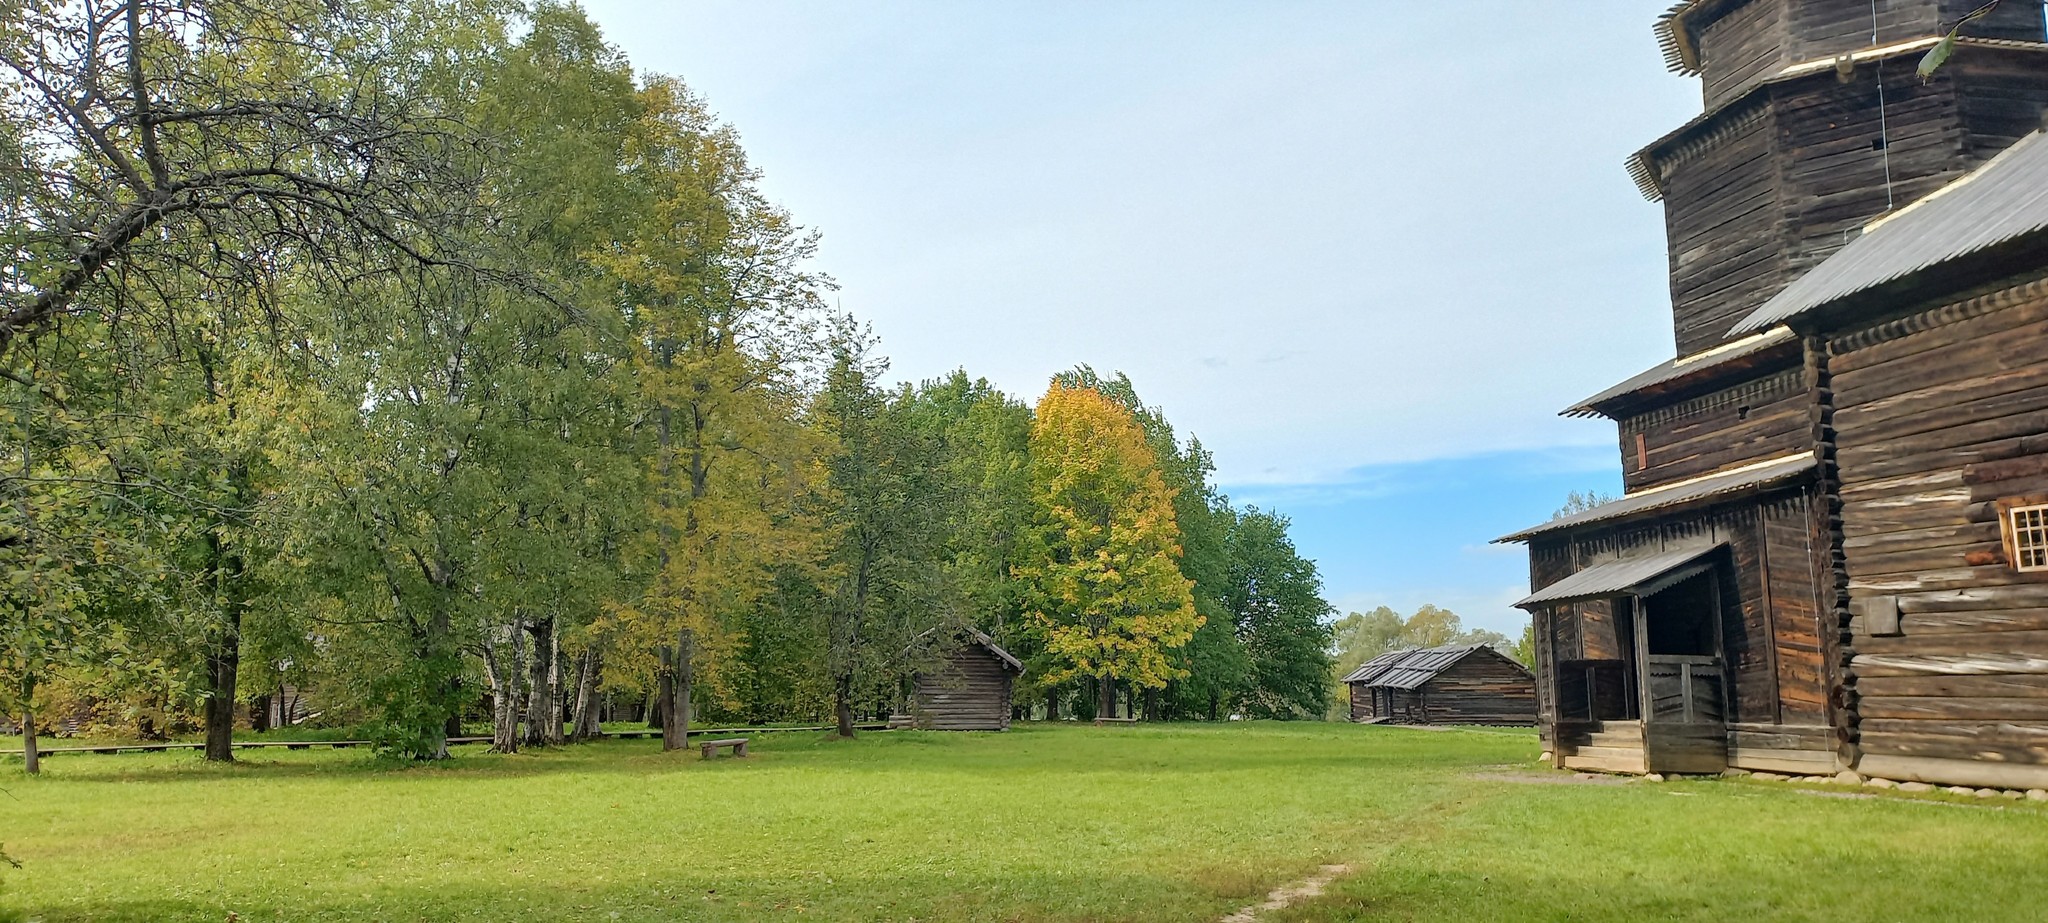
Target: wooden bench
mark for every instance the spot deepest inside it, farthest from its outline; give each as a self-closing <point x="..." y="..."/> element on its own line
<point x="738" y="745"/>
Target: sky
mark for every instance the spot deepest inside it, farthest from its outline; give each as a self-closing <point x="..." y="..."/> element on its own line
<point x="1364" y="250"/>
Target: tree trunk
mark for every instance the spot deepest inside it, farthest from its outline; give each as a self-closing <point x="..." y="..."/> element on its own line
<point x="1215" y="704"/>
<point x="558" y="704"/>
<point x="1052" y="705"/>
<point x="541" y="681"/>
<point x="501" y="670"/>
<point x="589" y="723"/>
<point x="1105" y="697"/>
<point x="259" y="713"/>
<point x="31" y="761"/>
<point x="224" y="652"/>
<point x="686" y="675"/>
<point x="1151" y="704"/>
<point x="665" y="698"/>
<point x="842" y="703"/>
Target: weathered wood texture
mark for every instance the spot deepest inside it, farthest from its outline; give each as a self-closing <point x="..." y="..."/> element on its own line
<point x="1750" y="421"/>
<point x="1741" y="43"/>
<point x="1766" y="187"/>
<point x="1482" y="687"/>
<point x="1934" y="428"/>
<point x="1772" y="642"/>
<point x="971" y="692"/>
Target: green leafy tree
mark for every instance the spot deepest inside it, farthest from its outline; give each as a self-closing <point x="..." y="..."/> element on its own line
<point x="1275" y="599"/>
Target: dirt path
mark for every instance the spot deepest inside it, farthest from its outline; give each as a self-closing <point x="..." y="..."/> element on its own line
<point x="1287" y="894"/>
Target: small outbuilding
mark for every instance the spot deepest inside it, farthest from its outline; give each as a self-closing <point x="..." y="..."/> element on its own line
<point x="968" y="687"/>
<point x="1456" y="684"/>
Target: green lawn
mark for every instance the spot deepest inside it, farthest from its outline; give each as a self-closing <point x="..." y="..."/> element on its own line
<point x="1182" y="822"/>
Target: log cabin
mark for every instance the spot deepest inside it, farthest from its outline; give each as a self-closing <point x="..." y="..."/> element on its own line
<point x="966" y="686"/>
<point x="1832" y="549"/>
<point x="1455" y="684"/>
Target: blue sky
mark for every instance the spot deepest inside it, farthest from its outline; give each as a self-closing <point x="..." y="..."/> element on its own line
<point x="1364" y="250"/>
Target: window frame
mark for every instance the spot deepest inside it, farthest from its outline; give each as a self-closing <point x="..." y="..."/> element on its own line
<point x="2020" y="545"/>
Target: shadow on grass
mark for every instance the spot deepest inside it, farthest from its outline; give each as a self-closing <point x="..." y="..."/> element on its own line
<point x="1025" y="749"/>
<point x="929" y="894"/>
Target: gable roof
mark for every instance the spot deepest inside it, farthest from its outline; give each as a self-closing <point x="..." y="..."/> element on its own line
<point x="1975" y="225"/>
<point x="1410" y="668"/>
<point x="977" y="636"/>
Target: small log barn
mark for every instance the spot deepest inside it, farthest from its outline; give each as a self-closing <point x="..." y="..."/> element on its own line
<point x="1832" y="550"/>
<point x="969" y="689"/>
<point x="1458" y="684"/>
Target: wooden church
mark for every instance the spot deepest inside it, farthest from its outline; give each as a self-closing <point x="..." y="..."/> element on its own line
<point x="1832" y="549"/>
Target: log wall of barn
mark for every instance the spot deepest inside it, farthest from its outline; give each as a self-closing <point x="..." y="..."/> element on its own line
<point x="1938" y="420"/>
<point x="1763" y="418"/>
<point x="971" y="693"/>
<point x="1361" y="702"/>
<point x="1483" y="687"/>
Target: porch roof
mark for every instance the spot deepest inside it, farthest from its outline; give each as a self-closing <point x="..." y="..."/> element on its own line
<point x="1632" y="577"/>
<point x="1698" y="490"/>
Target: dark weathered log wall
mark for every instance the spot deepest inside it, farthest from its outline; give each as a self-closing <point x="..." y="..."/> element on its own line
<point x="1781" y="178"/>
<point x="1762" y="418"/>
<point x="971" y="693"/>
<point x="1934" y="428"/>
<point x="1483" y="687"/>
<point x="1362" y="702"/>
<point x="1741" y="43"/>
<point x="1773" y="642"/>
<point x="1721" y="220"/>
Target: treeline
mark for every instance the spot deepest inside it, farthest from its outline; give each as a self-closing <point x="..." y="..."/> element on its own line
<point x="422" y="359"/>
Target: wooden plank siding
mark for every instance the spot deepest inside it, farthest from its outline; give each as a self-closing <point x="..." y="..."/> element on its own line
<point x="1934" y="427"/>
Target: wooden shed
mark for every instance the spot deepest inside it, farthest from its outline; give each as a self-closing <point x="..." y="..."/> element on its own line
<point x="968" y="689"/>
<point x="1458" y="684"/>
<point x="1832" y="552"/>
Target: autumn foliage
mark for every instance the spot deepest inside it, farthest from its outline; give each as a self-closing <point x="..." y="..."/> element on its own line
<point x="1100" y="567"/>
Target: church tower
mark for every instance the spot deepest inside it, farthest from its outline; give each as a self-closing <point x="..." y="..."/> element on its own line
<point x="1816" y="123"/>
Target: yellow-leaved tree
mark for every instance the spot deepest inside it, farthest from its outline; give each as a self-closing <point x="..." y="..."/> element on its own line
<point x="1099" y="567"/>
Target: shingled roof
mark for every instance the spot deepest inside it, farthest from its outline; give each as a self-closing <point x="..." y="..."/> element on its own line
<point x="1410" y="668"/>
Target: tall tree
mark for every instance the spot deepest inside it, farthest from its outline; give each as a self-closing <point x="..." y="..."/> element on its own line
<point x="1275" y="598"/>
<point x="1100" y="570"/>
<point x="887" y="504"/>
<point x="722" y="312"/>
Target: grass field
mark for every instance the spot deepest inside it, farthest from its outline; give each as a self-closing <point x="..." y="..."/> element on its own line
<point x="1180" y="822"/>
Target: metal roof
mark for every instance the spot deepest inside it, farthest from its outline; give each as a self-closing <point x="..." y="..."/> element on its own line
<point x="1632" y="577"/>
<point x="1748" y="477"/>
<point x="1673" y="372"/>
<point x="1410" y="668"/>
<point x="1376" y="666"/>
<point x="1999" y="203"/>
